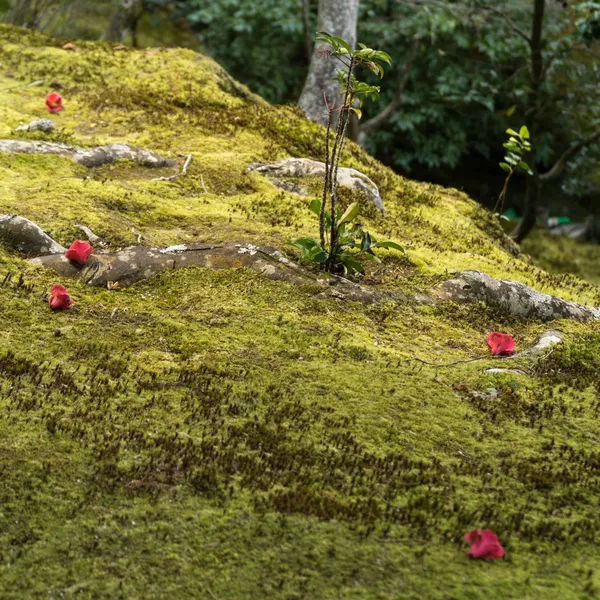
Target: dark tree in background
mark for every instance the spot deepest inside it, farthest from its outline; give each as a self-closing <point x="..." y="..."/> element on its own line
<point x="124" y="20"/>
<point x="539" y="68"/>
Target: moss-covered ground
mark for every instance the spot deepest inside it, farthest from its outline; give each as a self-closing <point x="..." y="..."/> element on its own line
<point x="213" y="434"/>
<point x="559" y="254"/>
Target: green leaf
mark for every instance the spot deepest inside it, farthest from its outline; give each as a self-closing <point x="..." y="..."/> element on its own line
<point x="524" y="132"/>
<point x="505" y="167"/>
<point x="357" y="111"/>
<point x="315" y="206"/>
<point x="305" y="243"/>
<point x="351" y="265"/>
<point x="512" y="132"/>
<point x="350" y="214"/>
<point x="384" y="56"/>
<point x="370" y="257"/>
<point x="342" y="43"/>
<point x="511" y="110"/>
<point x="388" y="245"/>
<point x="316" y="255"/>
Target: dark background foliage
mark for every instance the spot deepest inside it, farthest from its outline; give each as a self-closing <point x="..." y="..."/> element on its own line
<point x="468" y="81"/>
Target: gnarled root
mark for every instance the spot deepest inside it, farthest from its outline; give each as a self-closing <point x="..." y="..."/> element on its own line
<point x="92" y="157"/>
<point x="26" y="237"/>
<point x="136" y="263"/>
<point x="512" y="298"/>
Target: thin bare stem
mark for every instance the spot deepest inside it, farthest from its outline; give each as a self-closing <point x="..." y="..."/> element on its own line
<point x="500" y="202"/>
<point x="339" y="144"/>
<point x="327" y="174"/>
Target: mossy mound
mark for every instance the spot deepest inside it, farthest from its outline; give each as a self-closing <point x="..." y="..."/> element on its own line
<point x="217" y="434"/>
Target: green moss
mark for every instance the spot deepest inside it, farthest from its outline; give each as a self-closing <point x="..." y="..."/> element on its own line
<point x="559" y="254"/>
<point x="219" y="431"/>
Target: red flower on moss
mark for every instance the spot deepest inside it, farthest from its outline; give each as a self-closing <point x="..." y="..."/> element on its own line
<point x="484" y="545"/>
<point x="500" y="343"/>
<point x="79" y="252"/>
<point x="59" y="298"/>
<point x="54" y="102"/>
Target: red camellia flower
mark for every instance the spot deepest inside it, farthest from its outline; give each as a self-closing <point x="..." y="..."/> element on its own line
<point x="500" y="343"/>
<point x="79" y="252"/>
<point x="54" y="102"/>
<point x="59" y="299"/>
<point x="484" y="545"/>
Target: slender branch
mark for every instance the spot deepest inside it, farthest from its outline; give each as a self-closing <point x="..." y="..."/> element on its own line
<point x="327" y="174"/>
<point x="188" y="160"/>
<point x="340" y="135"/>
<point x="91" y="235"/>
<point x="20" y="85"/>
<point x="456" y="362"/>
<point x="380" y="118"/>
<point x="561" y="163"/>
<point x="451" y="10"/>
<point x="500" y="202"/>
<point x="508" y="21"/>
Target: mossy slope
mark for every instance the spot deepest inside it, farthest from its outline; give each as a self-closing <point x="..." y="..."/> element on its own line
<point x="214" y="434"/>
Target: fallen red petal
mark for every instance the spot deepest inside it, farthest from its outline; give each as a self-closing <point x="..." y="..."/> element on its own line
<point x="54" y="102"/>
<point x="59" y="298"/>
<point x="79" y="252"/>
<point x="500" y="343"/>
<point x="484" y="545"/>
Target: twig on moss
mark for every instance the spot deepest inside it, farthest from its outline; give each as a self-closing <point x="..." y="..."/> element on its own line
<point x="20" y="85"/>
<point x="456" y="362"/>
<point x="91" y="235"/>
<point x="186" y="164"/>
<point x="211" y="594"/>
<point x="202" y="182"/>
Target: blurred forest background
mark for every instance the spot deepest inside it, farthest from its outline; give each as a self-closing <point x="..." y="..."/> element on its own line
<point x="463" y="72"/>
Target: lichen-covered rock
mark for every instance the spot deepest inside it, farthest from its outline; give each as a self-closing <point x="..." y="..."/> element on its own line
<point x="43" y="125"/>
<point x="299" y="168"/>
<point x="91" y="157"/>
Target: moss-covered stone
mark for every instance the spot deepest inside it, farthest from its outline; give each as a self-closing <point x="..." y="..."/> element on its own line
<point x="218" y="434"/>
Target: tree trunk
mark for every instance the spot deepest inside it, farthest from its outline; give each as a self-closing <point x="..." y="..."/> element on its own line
<point x="535" y="75"/>
<point x="338" y="18"/>
<point x="124" y="20"/>
<point x="27" y="13"/>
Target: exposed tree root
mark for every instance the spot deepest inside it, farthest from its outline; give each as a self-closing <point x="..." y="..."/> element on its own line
<point x="129" y="265"/>
<point x="136" y="263"/>
<point x="512" y="298"/>
<point x="92" y="157"/>
<point x="506" y="371"/>
<point x="26" y="237"/>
